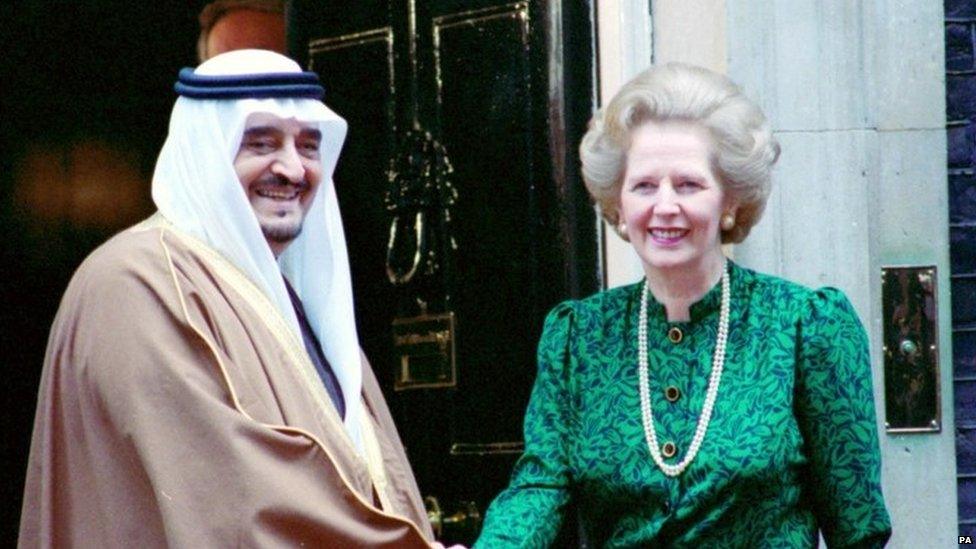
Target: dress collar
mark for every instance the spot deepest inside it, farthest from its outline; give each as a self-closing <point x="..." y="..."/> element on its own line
<point x="709" y="304"/>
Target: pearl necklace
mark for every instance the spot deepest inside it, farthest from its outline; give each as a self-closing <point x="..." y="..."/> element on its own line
<point x="718" y="360"/>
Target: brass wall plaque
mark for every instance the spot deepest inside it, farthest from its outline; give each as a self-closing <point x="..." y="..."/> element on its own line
<point x="425" y="346"/>
<point x="911" y="352"/>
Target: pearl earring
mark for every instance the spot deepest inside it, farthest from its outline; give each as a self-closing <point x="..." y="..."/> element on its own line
<point x="622" y="231"/>
<point x="728" y="222"/>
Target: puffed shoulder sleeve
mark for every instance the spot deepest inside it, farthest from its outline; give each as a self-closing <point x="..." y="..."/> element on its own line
<point x="529" y="512"/>
<point x="835" y="409"/>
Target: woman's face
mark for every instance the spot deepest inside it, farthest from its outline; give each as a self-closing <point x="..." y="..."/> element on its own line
<point x="670" y="200"/>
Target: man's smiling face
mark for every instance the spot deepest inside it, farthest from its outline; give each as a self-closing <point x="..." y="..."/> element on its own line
<point x="280" y="168"/>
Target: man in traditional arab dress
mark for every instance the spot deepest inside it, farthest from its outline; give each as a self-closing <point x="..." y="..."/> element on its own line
<point x="203" y="384"/>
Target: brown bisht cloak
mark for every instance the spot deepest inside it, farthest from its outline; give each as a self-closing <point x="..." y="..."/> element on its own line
<point x="178" y="409"/>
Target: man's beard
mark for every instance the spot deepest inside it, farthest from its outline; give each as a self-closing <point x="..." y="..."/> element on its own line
<point x="282" y="233"/>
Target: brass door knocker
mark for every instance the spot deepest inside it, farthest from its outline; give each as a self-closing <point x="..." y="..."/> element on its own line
<point x="420" y="186"/>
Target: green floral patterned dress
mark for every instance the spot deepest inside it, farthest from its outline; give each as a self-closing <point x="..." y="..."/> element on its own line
<point x="792" y="447"/>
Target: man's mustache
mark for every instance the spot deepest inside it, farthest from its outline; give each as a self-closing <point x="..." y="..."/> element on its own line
<point x="276" y="180"/>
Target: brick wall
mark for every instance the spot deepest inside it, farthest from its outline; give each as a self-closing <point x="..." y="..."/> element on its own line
<point x="960" y="36"/>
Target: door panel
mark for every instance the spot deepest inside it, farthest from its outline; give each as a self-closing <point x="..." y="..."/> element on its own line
<point x="484" y="90"/>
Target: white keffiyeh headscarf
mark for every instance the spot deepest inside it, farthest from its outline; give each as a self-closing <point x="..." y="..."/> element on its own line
<point x="196" y="188"/>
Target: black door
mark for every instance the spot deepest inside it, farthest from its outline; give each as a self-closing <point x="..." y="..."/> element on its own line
<point x="506" y="88"/>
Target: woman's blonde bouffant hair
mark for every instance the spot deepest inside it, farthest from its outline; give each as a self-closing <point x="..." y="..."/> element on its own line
<point x="744" y="147"/>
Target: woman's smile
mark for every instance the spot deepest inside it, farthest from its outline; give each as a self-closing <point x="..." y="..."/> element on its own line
<point x="667" y="236"/>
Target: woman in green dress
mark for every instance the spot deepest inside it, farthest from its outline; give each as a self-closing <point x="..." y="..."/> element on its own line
<point x="707" y="405"/>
